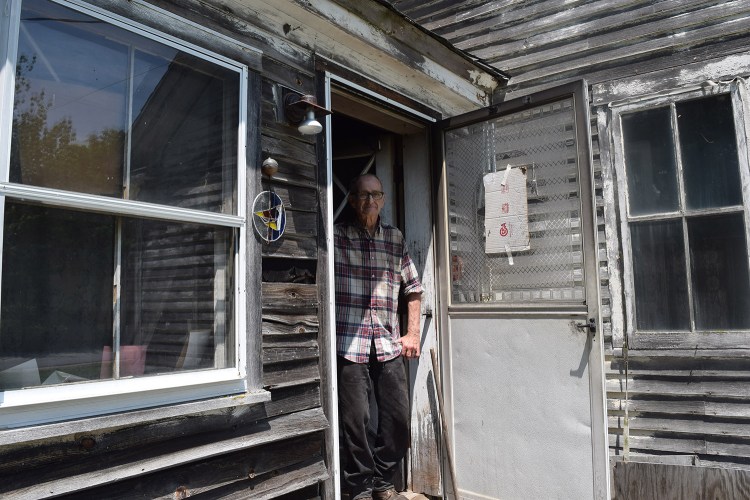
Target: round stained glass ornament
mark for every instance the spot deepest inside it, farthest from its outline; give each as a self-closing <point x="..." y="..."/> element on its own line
<point x="269" y="217"/>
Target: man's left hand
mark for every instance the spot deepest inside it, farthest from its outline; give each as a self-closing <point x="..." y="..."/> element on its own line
<point x="410" y="345"/>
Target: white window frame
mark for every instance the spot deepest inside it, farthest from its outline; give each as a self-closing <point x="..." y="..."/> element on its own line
<point x="41" y="405"/>
<point x="738" y="91"/>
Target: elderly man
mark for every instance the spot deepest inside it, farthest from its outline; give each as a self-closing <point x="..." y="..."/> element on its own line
<point x="372" y="267"/>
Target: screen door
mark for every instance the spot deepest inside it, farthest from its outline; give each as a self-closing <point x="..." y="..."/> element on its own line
<point x="520" y="346"/>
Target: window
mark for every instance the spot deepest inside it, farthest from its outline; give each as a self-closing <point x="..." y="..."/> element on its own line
<point x="121" y="235"/>
<point x="685" y="217"/>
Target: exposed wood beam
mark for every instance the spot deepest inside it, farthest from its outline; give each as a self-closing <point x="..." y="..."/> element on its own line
<point x="396" y="54"/>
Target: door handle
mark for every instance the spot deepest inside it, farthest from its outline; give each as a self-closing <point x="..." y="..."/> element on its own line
<point x="590" y="326"/>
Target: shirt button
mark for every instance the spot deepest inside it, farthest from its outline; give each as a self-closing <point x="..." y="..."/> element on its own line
<point x="372" y="276"/>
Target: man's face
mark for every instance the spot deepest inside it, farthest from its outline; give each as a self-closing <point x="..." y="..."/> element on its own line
<point x="368" y="207"/>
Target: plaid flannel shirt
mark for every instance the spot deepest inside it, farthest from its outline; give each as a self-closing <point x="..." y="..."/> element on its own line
<point x="370" y="272"/>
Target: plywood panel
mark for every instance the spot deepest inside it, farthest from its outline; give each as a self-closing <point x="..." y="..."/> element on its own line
<point x="643" y="480"/>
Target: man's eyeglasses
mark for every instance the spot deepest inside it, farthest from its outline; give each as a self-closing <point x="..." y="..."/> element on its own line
<point x="363" y="195"/>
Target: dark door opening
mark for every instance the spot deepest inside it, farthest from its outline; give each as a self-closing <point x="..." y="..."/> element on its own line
<point x="360" y="148"/>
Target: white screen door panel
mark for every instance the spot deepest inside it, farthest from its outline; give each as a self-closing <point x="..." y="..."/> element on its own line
<point x="523" y="378"/>
<point x="522" y="420"/>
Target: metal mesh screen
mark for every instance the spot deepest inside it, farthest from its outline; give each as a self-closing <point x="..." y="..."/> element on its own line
<point x="544" y="138"/>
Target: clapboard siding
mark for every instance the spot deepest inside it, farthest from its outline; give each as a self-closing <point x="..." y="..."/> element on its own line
<point x="143" y="449"/>
<point x="244" y="473"/>
<point x="639" y="480"/>
<point x="290" y="341"/>
<point x="550" y="42"/>
<point x="291" y="297"/>
<point x="292" y="247"/>
<point x="290" y="349"/>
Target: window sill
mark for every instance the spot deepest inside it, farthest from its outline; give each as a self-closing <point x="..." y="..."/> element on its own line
<point x="91" y="424"/>
<point x="688" y="341"/>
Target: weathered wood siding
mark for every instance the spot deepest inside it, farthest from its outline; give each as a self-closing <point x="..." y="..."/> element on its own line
<point x="682" y="401"/>
<point x="238" y="447"/>
<point x="666" y="482"/>
<point x="549" y="42"/>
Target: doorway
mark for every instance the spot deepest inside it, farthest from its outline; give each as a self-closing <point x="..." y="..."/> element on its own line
<point x="370" y="133"/>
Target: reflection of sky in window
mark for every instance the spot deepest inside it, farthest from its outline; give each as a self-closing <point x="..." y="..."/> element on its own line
<point x="148" y="72"/>
<point x="82" y="67"/>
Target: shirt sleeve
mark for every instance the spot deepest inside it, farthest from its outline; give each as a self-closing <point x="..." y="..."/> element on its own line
<point x="409" y="274"/>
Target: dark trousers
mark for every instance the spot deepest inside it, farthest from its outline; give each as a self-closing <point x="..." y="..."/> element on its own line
<point x="371" y="465"/>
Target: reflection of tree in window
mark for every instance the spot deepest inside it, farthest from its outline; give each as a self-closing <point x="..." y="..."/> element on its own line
<point x="49" y="154"/>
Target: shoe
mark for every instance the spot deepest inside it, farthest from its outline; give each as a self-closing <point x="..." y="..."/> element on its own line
<point x="389" y="494"/>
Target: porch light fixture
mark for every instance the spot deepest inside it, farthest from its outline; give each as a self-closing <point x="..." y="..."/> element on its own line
<point x="300" y="109"/>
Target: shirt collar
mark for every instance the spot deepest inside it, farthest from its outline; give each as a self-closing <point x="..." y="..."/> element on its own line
<point x="378" y="227"/>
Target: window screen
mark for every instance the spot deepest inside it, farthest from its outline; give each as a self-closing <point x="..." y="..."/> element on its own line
<point x="543" y="141"/>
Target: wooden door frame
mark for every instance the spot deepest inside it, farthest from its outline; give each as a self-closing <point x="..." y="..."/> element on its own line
<point x="331" y="75"/>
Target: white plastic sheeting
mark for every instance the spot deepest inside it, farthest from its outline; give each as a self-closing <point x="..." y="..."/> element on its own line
<point x="522" y="420"/>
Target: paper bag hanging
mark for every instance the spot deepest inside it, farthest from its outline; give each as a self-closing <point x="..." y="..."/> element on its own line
<point x="506" y="216"/>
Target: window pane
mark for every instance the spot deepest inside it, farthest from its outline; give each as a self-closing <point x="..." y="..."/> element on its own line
<point x="56" y="295"/>
<point x="709" y="152"/>
<point x="718" y="260"/>
<point x="184" y="131"/>
<point x="661" y="299"/>
<point x="75" y="74"/>
<point x="69" y="116"/>
<point x="650" y="161"/>
<point x="177" y="296"/>
<point x="57" y="313"/>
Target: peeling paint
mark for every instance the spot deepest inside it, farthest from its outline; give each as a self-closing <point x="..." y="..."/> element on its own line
<point x="482" y="79"/>
<point x="725" y="68"/>
<point x="632" y="87"/>
<point x="181" y="492"/>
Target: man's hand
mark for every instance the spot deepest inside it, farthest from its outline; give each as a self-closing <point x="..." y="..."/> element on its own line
<point x="410" y="345"/>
